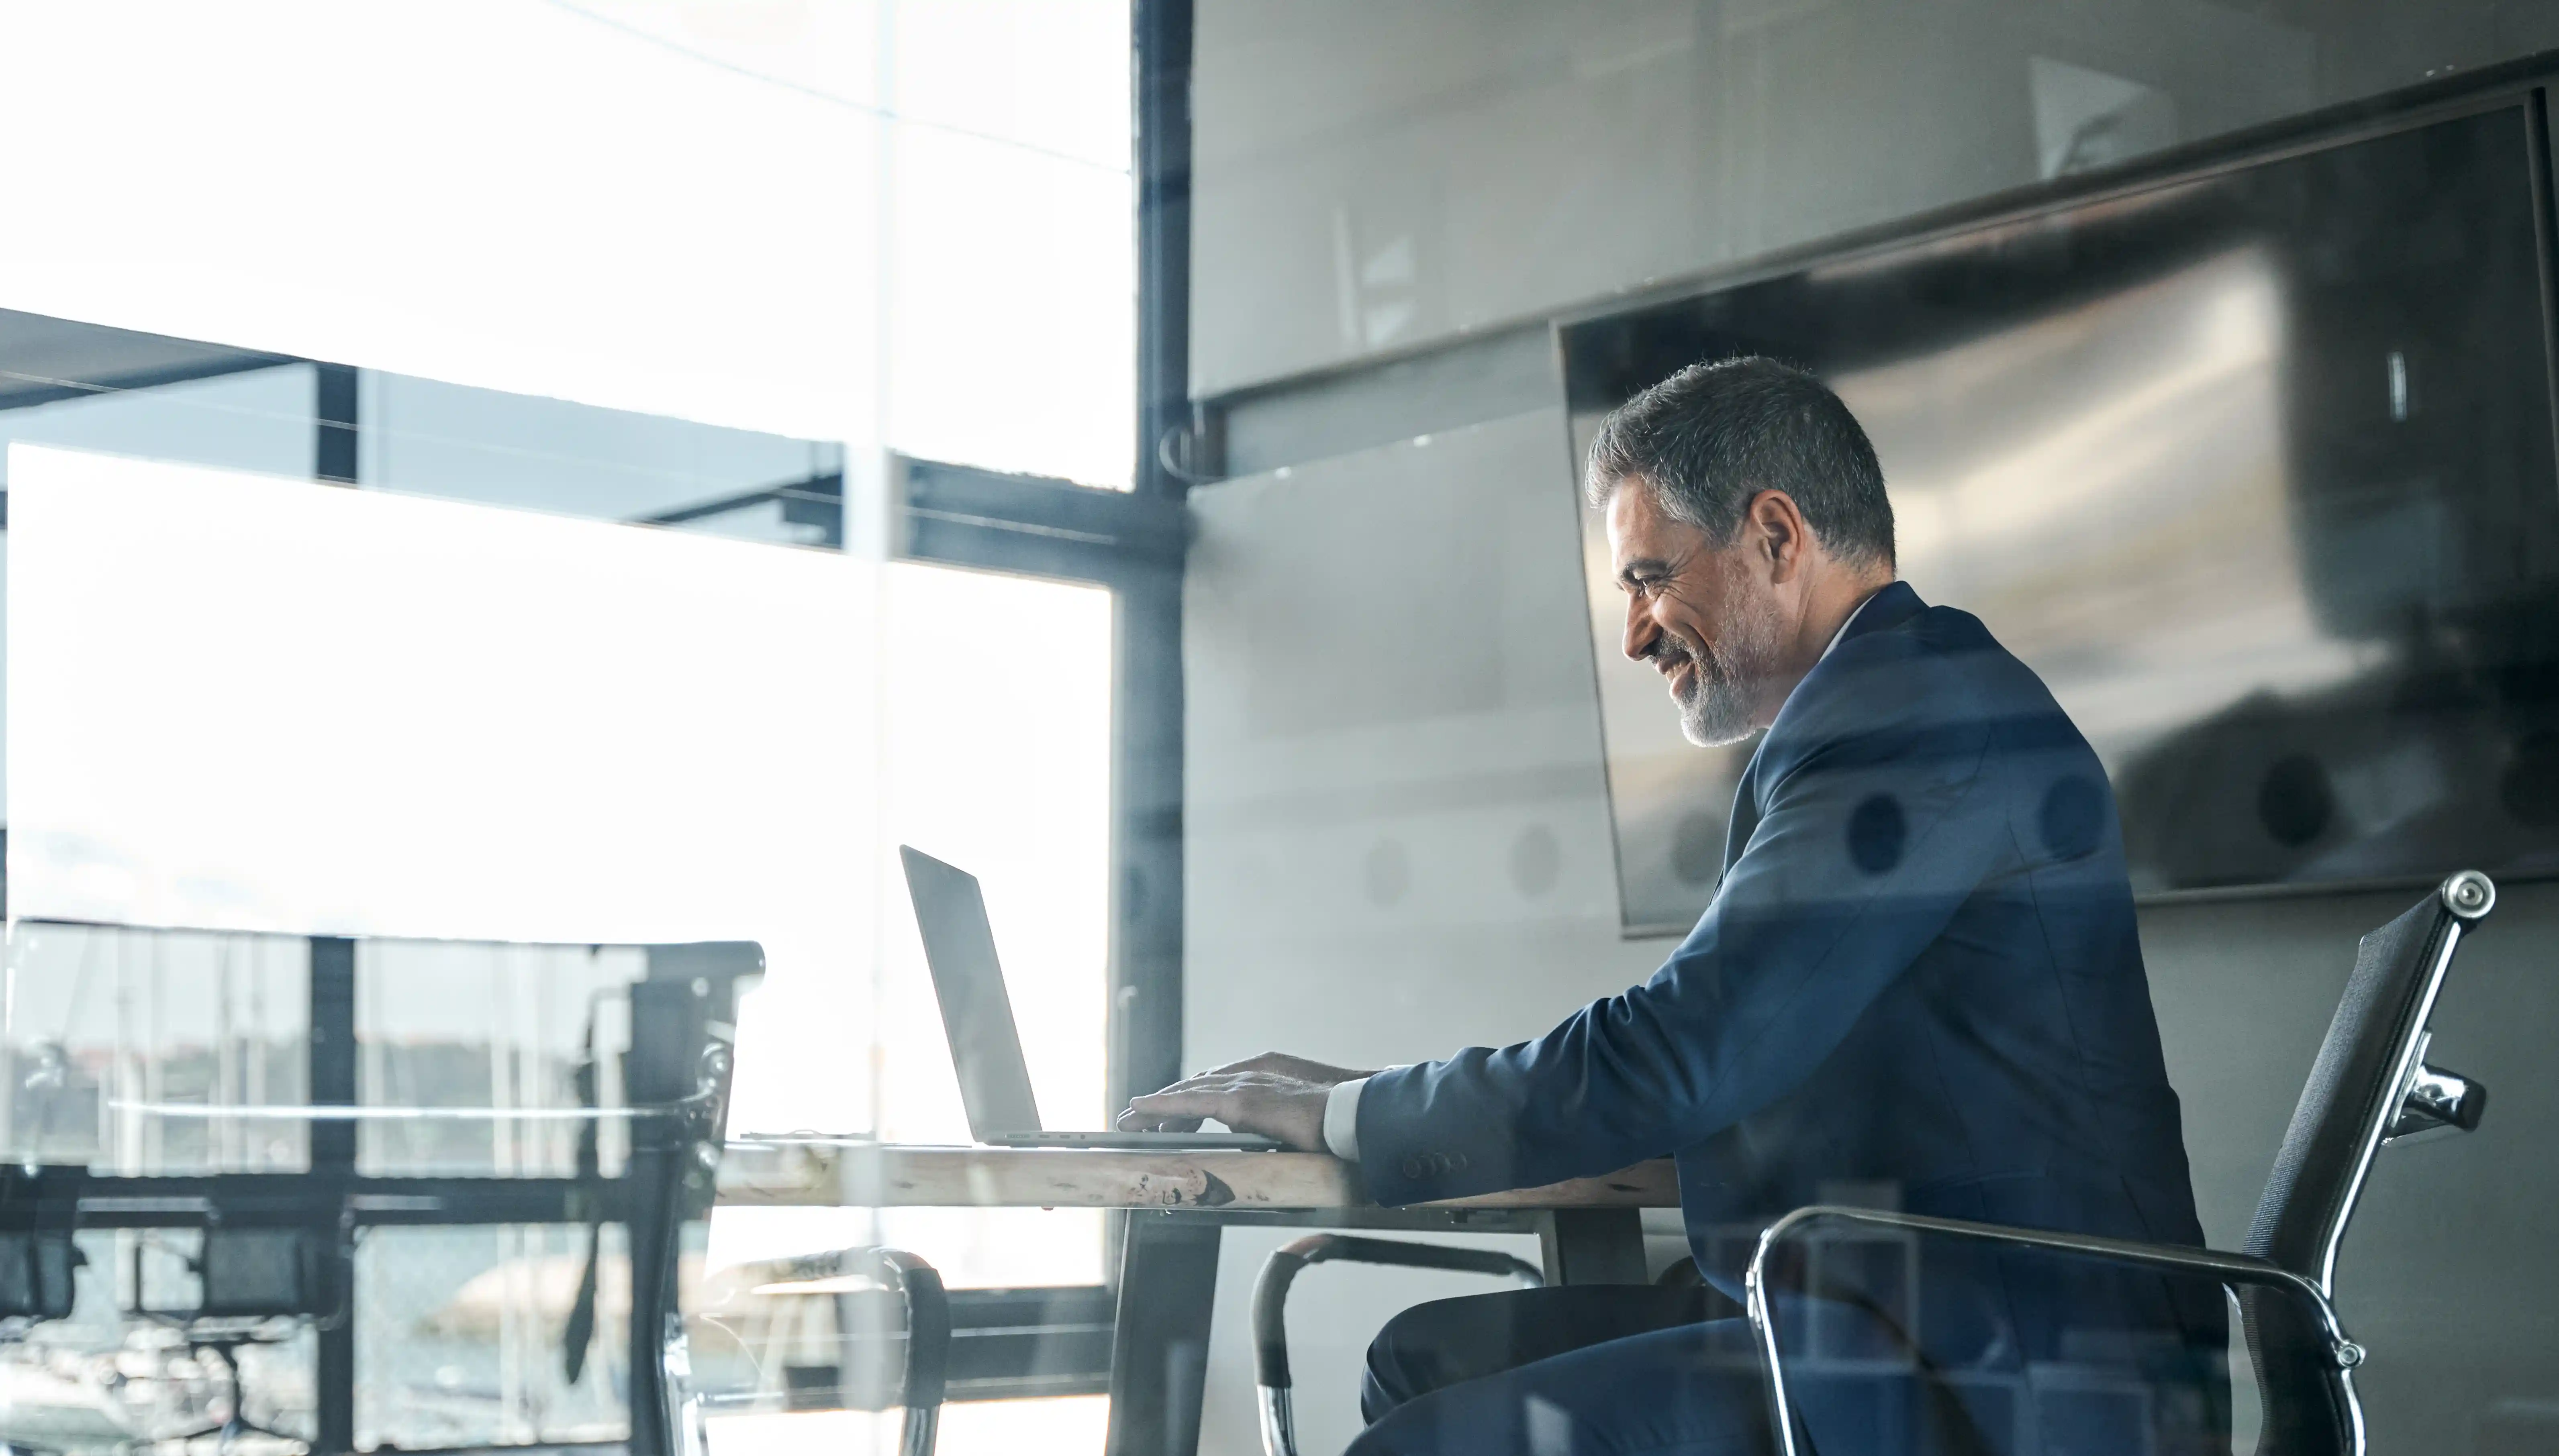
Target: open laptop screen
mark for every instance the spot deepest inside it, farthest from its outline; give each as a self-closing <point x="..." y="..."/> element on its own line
<point x="959" y="945"/>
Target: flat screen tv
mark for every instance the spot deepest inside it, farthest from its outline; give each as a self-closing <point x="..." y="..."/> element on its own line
<point x="2253" y="466"/>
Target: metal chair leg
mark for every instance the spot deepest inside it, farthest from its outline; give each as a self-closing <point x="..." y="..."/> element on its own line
<point x="1270" y="1299"/>
<point x="915" y="1438"/>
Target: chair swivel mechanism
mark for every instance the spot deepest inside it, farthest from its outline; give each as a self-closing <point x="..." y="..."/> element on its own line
<point x="2370" y="1085"/>
<point x="1270" y="1299"/>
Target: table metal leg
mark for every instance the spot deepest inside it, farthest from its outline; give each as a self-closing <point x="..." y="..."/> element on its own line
<point x="1594" y="1247"/>
<point x="1160" y="1355"/>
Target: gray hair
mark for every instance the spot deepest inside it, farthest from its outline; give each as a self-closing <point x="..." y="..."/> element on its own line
<point x="1710" y="438"/>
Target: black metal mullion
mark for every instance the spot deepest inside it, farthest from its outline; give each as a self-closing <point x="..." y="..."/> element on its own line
<point x="1146" y="837"/>
<point x="1162" y="69"/>
<point x="332" y="1063"/>
<point x="1146" y="776"/>
<point x="334" y="409"/>
<point x="333" y="1026"/>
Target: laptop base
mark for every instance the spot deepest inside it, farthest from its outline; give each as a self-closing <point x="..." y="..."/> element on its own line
<point x="1142" y="1141"/>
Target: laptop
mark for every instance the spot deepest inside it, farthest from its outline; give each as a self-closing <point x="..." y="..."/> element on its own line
<point x="985" y="1048"/>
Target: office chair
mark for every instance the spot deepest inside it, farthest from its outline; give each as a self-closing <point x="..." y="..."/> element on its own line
<point x="924" y="1320"/>
<point x="2370" y="1085"/>
<point x="1270" y="1299"/>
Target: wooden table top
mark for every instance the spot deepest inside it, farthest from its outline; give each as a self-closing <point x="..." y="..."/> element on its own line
<point x="847" y="1174"/>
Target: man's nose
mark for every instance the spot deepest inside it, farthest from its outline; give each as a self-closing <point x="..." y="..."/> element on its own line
<point x="1641" y="630"/>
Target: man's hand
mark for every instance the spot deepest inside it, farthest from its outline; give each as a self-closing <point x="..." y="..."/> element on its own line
<point x="1274" y="1094"/>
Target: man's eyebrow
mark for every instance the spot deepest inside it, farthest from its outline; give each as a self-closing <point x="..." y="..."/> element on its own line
<point x="1641" y="565"/>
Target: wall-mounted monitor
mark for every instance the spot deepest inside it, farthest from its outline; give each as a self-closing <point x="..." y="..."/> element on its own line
<point x="2253" y="466"/>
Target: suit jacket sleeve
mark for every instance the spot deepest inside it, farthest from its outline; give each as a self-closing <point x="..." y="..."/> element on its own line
<point x="1867" y="843"/>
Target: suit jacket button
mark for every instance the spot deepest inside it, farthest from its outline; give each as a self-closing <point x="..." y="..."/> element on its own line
<point x="1411" y="1167"/>
<point x="1457" y="1162"/>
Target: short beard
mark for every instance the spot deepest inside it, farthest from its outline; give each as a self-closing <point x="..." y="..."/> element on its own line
<point x="1719" y="704"/>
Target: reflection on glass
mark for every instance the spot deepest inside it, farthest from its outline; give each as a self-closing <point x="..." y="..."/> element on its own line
<point x="455" y="1025"/>
<point x="105" y="1025"/>
<point x="458" y="1335"/>
<point x="2255" y="471"/>
<point x="105" y="1380"/>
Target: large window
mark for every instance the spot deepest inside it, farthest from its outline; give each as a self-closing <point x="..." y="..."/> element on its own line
<point x="511" y="734"/>
<point x="611" y="644"/>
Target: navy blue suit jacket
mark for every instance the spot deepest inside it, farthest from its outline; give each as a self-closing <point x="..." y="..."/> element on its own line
<point x="1919" y="977"/>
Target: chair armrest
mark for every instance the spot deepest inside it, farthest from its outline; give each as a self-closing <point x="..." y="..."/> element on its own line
<point x="2226" y="1268"/>
<point x="1270" y="1290"/>
<point x="928" y="1321"/>
<point x="1270" y="1300"/>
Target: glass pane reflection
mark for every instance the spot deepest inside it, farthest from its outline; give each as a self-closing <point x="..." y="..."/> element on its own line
<point x="2254" y="470"/>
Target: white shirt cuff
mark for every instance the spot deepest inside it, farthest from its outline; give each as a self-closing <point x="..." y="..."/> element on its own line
<point x="1341" y="1120"/>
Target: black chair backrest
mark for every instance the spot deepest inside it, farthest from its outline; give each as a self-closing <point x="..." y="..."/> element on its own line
<point x="2356" y="1091"/>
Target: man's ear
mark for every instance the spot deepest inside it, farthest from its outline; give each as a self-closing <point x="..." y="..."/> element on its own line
<point x="1778" y="532"/>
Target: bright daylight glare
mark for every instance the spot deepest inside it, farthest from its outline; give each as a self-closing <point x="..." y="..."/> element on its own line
<point x="242" y="701"/>
<point x="814" y="217"/>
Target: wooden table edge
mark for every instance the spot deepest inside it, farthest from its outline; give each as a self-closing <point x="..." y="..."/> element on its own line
<point x="873" y="1175"/>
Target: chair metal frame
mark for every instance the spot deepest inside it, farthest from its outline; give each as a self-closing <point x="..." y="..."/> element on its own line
<point x="924" y="1378"/>
<point x="1270" y="1299"/>
<point x="2428" y="1098"/>
<point x="928" y="1344"/>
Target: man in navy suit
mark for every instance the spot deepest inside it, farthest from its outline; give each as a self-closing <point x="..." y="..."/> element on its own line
<point x="1920" y="979"/>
